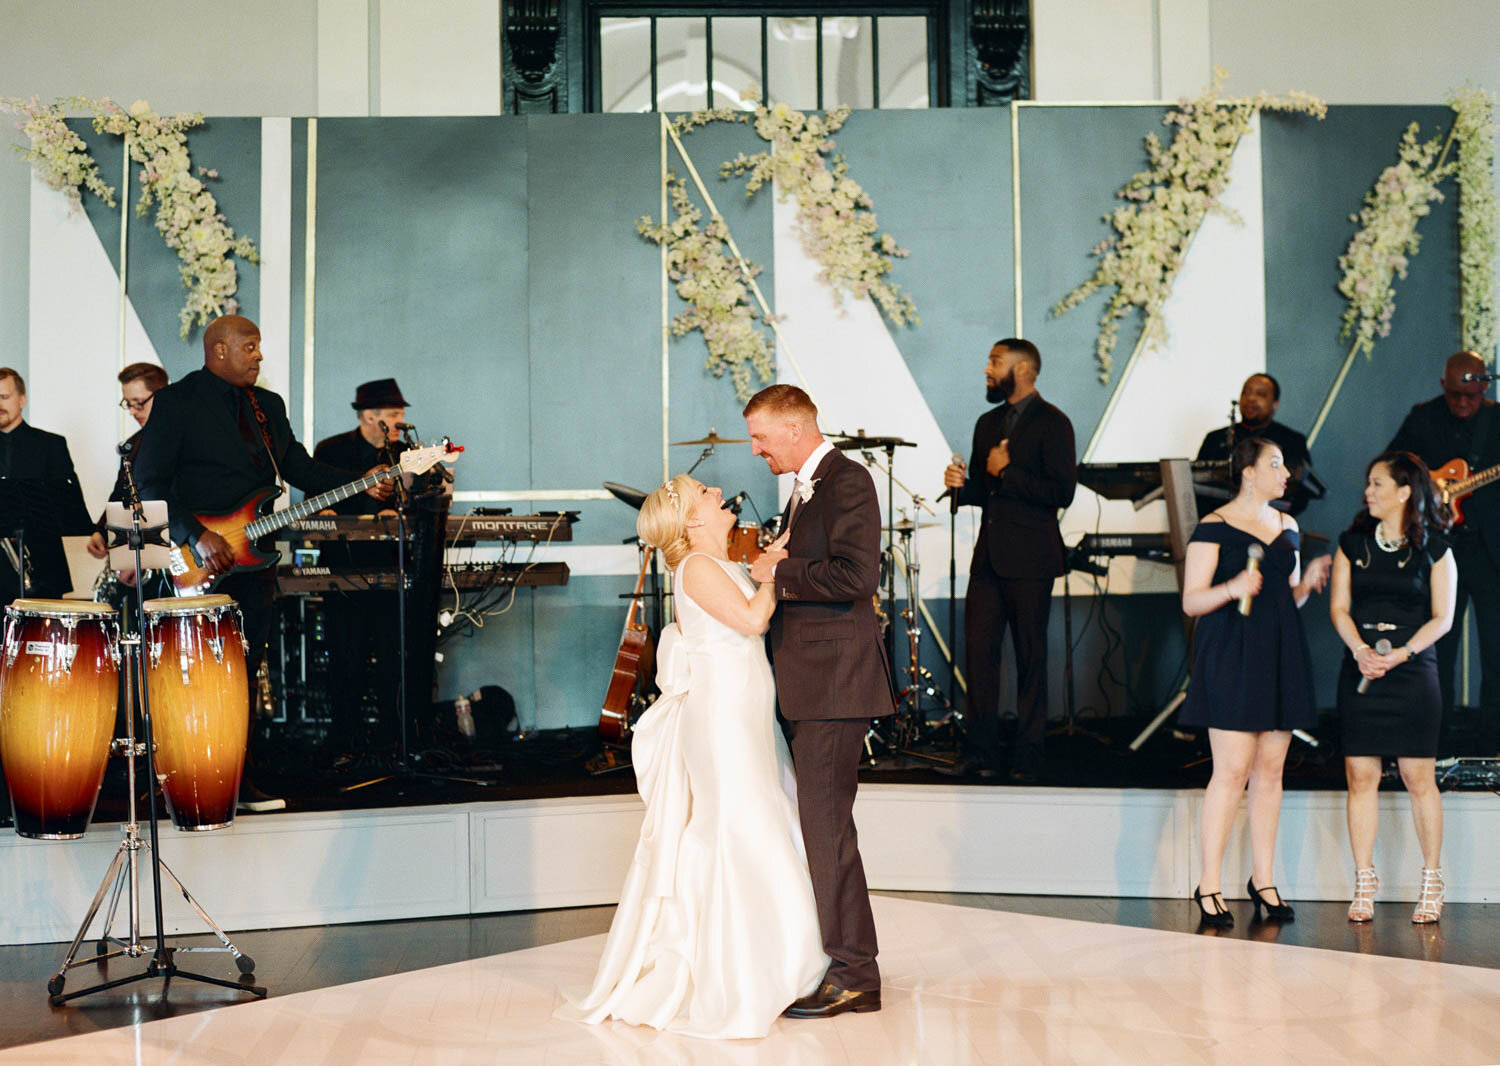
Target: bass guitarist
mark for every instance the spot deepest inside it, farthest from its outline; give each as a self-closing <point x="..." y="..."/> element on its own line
<point x="213" y="439"/>
<point x="1463" y="424"/>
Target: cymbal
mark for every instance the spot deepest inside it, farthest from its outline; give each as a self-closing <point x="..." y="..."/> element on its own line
<point x="858" y="442"/>
<point x="713" y="438"/>
<point x="906" y="526"/>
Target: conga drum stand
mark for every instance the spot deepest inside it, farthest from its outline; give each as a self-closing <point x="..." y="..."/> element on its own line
<point x="124" y="868"/>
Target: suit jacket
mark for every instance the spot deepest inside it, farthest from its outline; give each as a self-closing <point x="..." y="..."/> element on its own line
<point x="1430" y="432"/>
<point x="1019" y="537"/>
<point x="825" y="642"/>
<point x="37" y="454"/>
<point x="194" y="455"/>
<point x="1304" y="485"/>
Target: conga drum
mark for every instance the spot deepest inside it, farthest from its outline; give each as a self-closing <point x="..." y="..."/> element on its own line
<point x="745" y="543"/>
<point x="200" y="706"/>
<point x="58" y="690"/>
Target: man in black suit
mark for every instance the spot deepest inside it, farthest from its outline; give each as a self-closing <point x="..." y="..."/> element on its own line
<point x="1462" y="423"/>
<point x="28" y="454"/>
<point x="214" y="438"/>
<point x="832" y="675"/>
<point x="1027" y="471"/>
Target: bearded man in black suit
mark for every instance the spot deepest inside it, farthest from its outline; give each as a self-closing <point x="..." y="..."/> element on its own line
<point x="30" y="454"/>
<point x="1026" y="471"/>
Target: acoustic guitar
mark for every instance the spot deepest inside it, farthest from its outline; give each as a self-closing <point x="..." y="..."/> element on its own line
<point x="631" y="660"/>
<point x="1455" y="483"/>
<point x="249" y="523"/>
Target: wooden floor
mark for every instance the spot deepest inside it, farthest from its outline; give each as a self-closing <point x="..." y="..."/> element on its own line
<point x="298" y="960"/>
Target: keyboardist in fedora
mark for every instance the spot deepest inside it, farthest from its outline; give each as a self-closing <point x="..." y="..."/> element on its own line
<point x="362" y="627"/>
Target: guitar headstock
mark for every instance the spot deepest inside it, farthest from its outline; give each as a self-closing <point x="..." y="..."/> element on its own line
<point x="420" y="460"/>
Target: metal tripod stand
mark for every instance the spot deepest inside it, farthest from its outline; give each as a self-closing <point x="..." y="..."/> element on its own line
<point x="124" y="868"/>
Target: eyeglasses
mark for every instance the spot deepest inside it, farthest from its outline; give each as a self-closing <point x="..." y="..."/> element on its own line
<point x="136" y="405"/>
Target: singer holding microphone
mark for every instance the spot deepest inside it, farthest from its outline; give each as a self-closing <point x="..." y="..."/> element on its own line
<point x="1023" y="471"/>
<point x="1252" y="674"/>
<point x="1393" y="595"/>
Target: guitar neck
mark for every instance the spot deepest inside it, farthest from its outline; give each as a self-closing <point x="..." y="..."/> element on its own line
<point x="1476" y="481"/>
<point x="312" y="505"/>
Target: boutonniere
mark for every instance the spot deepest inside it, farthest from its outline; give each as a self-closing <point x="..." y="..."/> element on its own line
<point x="805" y="490"/>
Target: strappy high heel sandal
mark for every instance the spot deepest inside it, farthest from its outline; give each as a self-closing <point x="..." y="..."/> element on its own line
<point x="1362" y="907"/>
<point x="1430" y="903"/>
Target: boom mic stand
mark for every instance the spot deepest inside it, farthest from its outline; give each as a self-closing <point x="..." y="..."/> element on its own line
<point x="123" y="873"/>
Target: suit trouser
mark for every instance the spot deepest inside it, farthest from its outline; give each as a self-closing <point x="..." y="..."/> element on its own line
<point x="993" y="605"/>
<point x="1479" y="584"/>
<point x="827" y="753"/>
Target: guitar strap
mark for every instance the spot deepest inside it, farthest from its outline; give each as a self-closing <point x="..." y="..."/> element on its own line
<point x="265" y="436"/>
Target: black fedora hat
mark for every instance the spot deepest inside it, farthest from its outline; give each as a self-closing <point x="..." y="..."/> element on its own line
<point x="382" y="393"/>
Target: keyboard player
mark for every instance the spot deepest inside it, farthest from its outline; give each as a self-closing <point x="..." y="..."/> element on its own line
<point x="1260" y="397"/>
<point x="362" y="629"/>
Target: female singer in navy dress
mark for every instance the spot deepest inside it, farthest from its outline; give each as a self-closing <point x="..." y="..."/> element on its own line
<point x="1252" y="674"/>
<point x="1394" y="579"/>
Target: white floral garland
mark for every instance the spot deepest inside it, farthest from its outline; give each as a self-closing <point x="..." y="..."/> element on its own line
<point x="715" y="290"/>
<point x="1474" y="128"/>
<point x="187" y="215"/>
<point x="1165" y="206"/>
<point x="836" y="225"/>
<point x="1387" y="239"/>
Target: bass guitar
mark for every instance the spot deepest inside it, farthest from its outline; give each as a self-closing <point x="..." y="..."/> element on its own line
<point x="1455" y="483"/>
<point x="631" y="661"/>
<point x="252" y="521"/>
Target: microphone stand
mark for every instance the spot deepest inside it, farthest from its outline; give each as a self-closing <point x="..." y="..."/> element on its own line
<point x="162" y="962"/>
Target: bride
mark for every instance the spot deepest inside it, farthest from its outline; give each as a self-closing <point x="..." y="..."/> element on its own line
<point x="716" y="931"/>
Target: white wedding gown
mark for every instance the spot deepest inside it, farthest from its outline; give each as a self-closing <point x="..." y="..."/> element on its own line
<point x="716" y="930"/>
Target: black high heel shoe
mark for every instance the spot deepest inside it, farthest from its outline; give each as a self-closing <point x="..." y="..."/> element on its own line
<point x="1276" y="912"/>
<point x="1219" y="917"/>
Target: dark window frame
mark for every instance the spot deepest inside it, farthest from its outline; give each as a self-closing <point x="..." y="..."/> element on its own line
<point x="937" y="13"/>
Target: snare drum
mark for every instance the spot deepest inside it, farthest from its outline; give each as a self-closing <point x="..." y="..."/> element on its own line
<point x="745" y="543"/>
<point x="58" y="690"/>
<point x="200" y="706"/>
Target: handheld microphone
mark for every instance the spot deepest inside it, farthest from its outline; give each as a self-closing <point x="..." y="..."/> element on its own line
<point x="1256" y="553"/>
<point x="733" y="503"/>
<point x="1382" y="647"/>
<point x="952" y="493"/>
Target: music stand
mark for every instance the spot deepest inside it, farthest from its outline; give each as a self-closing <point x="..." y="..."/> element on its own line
<point x="38" y="512"/>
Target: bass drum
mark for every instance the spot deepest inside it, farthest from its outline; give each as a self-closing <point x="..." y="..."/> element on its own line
<point x="58" y="689"/>
<point x="200" y="706"/>
<point x="746" y="543"/>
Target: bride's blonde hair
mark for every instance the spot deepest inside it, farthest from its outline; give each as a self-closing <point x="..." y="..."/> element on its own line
<point x="662" y="522"/>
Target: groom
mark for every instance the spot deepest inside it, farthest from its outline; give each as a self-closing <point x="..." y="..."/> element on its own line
<point x="832" y="675"/>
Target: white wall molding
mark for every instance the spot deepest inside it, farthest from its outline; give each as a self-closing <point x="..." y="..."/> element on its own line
<point x="321" y="868"/>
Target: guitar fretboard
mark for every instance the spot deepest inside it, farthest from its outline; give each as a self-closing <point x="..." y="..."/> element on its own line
<point x="312" y="505"/>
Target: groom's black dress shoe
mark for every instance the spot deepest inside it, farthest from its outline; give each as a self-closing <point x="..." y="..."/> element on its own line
<point x="829" y="1000"/>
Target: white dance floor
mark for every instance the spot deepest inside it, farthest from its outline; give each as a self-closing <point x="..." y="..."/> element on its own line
<point x="962" y="986"/>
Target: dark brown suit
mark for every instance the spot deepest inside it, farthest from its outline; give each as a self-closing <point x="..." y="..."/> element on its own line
<point x="832" y="677"/>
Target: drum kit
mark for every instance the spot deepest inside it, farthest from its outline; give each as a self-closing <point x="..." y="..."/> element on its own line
<point x="183" y="674"/>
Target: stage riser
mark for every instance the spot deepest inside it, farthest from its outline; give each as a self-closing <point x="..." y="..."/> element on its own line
<point x="314" y="869"/>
